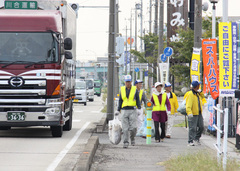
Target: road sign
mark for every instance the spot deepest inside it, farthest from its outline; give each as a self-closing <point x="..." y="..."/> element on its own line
<point x="136" y="69"/>
<point x="30" y="5"/>
<point x="168" y="51"/>
<point x="163" y="57"/>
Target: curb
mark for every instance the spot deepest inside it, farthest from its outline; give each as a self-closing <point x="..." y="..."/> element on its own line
<point x="101" y="125"/>
<point x="85" y="160"/>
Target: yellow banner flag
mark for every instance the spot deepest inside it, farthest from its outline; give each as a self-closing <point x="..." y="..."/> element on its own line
<point x="195" y="65"/>
<point x="225" y="58"/>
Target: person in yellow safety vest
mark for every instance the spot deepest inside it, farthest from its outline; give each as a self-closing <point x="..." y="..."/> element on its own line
<point x="194" y="111"/>
<point x="204" y="101"/>
<point x="128" y="100"/>
<point x="174" y="106"/>
<point x="142" y="98"/>
<point x="159" y="112"/>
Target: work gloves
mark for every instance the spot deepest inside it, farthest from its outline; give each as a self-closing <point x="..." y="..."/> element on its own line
<point x="190" y="115"/>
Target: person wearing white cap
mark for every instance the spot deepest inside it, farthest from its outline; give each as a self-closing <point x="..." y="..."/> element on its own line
<point x="174" y="106"/>
<point x="128" y="100"/>
<point x="159" y="112"/>
<point x="142" y="98"/>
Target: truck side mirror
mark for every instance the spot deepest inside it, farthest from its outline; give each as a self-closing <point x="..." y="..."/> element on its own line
<point x="68" y="55"/>
<point x="68" y="43"/>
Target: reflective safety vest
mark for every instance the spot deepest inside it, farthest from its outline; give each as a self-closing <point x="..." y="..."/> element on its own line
<point x="130" y="101"/>
<point x="158" y="106"/>
<point x="140" y="95"/>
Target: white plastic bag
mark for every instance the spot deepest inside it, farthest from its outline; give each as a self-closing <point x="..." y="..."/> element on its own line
<point x="115" y="130"/>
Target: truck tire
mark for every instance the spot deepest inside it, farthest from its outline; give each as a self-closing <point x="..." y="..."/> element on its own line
<point x="91" y="100"/>
<point x="68" y="124"/>
<point x="57" y="131"/>
<point x="85" y="103"/>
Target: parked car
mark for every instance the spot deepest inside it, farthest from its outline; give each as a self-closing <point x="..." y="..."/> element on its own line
<point x="80" y="92"/>
<point x="97" y="87"/>
<point x="90" y="87"/>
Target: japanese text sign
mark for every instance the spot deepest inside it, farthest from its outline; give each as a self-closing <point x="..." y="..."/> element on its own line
<point x="210" y="65"/>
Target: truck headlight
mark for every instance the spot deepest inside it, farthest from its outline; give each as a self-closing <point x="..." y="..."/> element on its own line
<point x="53" y="102"/>
<point x="52" y="111"/>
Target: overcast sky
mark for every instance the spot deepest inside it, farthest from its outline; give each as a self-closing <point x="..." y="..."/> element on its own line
<point x="92" y="23"/>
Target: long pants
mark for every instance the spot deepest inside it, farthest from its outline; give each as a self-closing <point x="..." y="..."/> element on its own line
<point x="129" y="119"/>
<point x="169" y="124"/>
<point x="196" y="127"/>
<point x="157" y="134"/>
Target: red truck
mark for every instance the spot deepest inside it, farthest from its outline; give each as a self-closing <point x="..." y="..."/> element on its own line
<point x="37" y="64"/>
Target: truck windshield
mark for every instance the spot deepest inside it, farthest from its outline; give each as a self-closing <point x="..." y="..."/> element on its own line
<point x="80" y="85"/>
<point x="29" y="47"/>
<point x="89" y="84"/>
<point x="97" y="84"/>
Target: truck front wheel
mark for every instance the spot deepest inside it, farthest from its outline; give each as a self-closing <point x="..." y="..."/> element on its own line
<point x="57" y="131"/>
<point x="68" y="124"/>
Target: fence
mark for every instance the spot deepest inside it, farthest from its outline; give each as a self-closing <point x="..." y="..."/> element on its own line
<point x="219" y="132"/>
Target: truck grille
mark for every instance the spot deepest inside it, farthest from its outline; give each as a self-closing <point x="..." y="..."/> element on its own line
<point x="16" y="91"/>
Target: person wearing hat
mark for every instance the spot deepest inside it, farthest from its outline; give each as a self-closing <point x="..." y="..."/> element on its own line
<point x="159" y="112"/>
<point x="194" y="111"/>
<point x="128" y="100"/>
<point x="174" y="106"/>
<point x="142" y="98"/>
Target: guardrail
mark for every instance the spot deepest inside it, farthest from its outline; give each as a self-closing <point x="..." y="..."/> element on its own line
<point x="219" y="132"/>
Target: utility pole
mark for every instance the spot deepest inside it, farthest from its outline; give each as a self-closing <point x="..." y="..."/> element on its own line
<point x="136" y="27"/>
<point x="141" y="43"/>
<point x="126" y="54"/>
<point x="191" y="14"/>
<point x="156" y="17"/>
<point x="198" y="24"/>
<point x="160" y="37"/>
<point x="225" y="10"/>
<point x="111" y="58"/>
<point x="116" y="68"/>
<point x="150" y="16"/>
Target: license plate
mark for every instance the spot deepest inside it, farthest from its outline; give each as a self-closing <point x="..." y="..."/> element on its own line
<point x="16" y="116"/>
<point x="75" y="100"/>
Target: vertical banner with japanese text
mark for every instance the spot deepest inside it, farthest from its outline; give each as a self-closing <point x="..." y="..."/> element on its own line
<point x="210" y="66"/>
<point x="234" y="55"/>
<point x="227" y="59"/>
<point x="195" y="65"/>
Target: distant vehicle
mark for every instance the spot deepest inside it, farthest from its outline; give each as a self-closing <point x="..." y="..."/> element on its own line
<point x="90" y="91"/>
<point x="97" y="87"/>
<point x="80" y="92"/>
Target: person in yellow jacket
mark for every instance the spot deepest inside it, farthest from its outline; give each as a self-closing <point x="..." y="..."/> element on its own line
<point x="128" y="100"/>
<point x="194" y="111"/>
<point x="174" y="106"/>
<point x="204" y="101"/>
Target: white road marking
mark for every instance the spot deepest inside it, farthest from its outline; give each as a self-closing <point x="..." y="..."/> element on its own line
<point x="79" y="111"/>
<point x="61" y="155"/>
<point x="95" y="111"/>
<point x="76" y="120"/>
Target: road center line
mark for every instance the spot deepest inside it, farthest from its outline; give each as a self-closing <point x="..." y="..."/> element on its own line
<point x="61" y="155"/>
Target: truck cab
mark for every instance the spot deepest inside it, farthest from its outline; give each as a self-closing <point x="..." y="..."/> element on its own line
<point x="90" y="86"/>
<point x="97" y="87"/>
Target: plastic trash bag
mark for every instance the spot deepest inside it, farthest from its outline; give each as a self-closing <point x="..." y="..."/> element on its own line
<point x="115" y="130"/>
<point x="182" y="108"/>
<point x="142" y="132"/>
<point x="140" y="119"/>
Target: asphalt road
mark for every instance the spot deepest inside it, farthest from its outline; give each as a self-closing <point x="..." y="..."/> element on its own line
<point x="34" y="148"/>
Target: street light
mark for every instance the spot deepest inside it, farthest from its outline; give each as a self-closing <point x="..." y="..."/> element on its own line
<point x="214" y="17"/>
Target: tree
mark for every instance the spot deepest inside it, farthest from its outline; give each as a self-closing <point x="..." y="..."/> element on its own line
<point x="182" y="54"/>
<point x="207" y="26"/>
<point x="150" y="54"/>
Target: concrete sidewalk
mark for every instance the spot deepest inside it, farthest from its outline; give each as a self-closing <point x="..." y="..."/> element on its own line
<point x="110" y="157"/>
